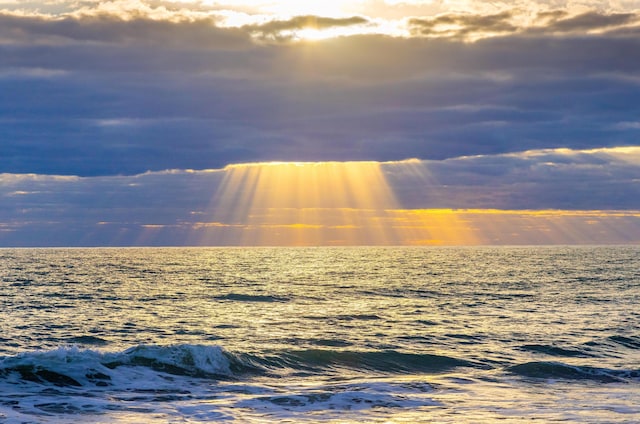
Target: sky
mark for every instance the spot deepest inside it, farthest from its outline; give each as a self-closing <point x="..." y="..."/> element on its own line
<point x="203" y="122"/>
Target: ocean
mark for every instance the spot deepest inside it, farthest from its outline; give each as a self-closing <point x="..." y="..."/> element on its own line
<point x="344" y="335"/>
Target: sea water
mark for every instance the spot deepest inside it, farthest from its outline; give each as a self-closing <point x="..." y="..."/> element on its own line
<point x="536" y="334"/>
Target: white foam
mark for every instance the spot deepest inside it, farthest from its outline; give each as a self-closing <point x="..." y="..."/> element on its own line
<point x="207" y="359"/>
<point x="130" y="392"/>
<point x="330" y="401"/>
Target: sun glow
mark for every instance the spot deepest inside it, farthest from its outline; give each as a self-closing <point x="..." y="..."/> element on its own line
<point x="315" y="34"/>
<point x="353" y="203"/>
<point x="306" y="203"/>
<point x="313" y="7"/>
<point x="318" y="203"/>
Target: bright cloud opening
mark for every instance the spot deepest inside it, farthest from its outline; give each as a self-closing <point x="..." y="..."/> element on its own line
<point x="315" y="7"/>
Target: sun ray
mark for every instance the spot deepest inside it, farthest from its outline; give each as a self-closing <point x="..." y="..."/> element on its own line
<point x="354" y="203"/>
<point x="322" y="203"/>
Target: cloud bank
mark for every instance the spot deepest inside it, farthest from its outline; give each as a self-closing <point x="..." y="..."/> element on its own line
<point x="507" y="106"/>
<point x="480" y="193"/>
<point x="108" y="88"/>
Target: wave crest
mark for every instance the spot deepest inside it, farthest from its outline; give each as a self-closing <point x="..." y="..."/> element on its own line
<point x="71" y="366"/>
<point x="79" y="367"/>
<point x="321" y="360"/>
<point x="558" y="370"/>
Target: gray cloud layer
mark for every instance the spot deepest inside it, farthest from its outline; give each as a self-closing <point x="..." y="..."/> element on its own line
<point x="102" y="95"/>
<point x="604" y="179"/>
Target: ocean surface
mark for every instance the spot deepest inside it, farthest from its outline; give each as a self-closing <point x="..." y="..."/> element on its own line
<point x="252" y="335"/>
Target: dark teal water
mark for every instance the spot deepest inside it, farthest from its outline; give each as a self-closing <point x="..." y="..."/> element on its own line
<point x="543" y="334"/>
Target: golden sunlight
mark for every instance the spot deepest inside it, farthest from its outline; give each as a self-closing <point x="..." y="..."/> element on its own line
<point x="353" y="203"/>
<point x="306" y="203"/>
<point x="312" y="7"/>
<point x="316" y="34"/>
<point x="319" y="203"/>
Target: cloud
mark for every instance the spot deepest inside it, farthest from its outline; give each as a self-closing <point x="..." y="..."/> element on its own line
<point x="462" y="26"/>
<point x="104" y="30"/>
<point x="277" y="29"/>
<point x="58" y="210"/>
<point x="589" y="21"/>
<point x="102" y="93"/>
<point x="603" y="179"/>
<point x="510" y="106"/>
<point x="472" y="27"/>
<point x="181" y="206"/>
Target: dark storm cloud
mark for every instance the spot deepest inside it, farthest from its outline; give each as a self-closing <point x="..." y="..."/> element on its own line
<point x="101" y="95"/>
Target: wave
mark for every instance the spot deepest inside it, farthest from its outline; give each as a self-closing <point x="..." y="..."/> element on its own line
<point x="88" y="340"/>
<point x="65" y="367"/>
<point x="556" y="351"/>
<point x="75" y="367"/>
<point x="631" y="342"/>
<point x="558" y="370"/>
<point x="240" y="297"/>
<point x="614" y="346"/>
<point x="386" y="362"/>
<point x="173" y="383"/>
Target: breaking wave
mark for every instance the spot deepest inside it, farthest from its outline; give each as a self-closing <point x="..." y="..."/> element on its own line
<point x="72" y="366"/>
<point x="75" y="367"/>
